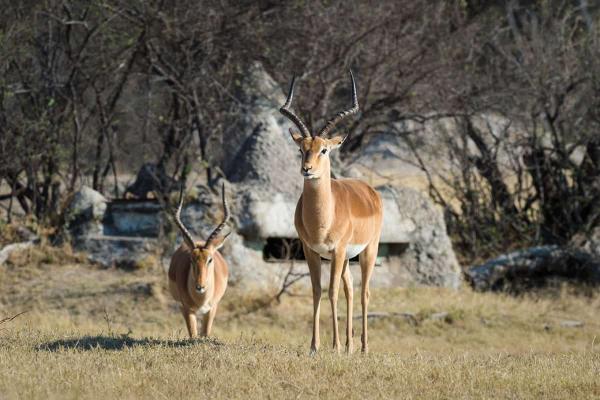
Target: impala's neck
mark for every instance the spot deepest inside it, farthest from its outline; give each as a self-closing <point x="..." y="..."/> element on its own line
<point x="317" y="201"/>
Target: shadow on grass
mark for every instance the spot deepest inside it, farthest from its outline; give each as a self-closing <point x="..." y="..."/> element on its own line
<point x="120" y="343"/>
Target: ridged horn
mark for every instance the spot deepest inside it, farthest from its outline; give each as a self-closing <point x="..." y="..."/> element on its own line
<point x="187" y="236"/>
<point x="220" y="227"/>
<point x="344" y="114"/>
<point x="285" y="110"/>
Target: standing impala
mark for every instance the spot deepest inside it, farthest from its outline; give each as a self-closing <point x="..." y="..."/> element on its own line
<point x="198" y="273"/>
<point x="336" y="220"/>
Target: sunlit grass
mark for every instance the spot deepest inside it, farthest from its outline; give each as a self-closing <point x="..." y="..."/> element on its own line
<point x="92" y="333"/>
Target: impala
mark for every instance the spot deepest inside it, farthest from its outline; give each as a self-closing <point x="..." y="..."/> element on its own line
<point x="336" y="219"/>
<point x="198" y="273"/>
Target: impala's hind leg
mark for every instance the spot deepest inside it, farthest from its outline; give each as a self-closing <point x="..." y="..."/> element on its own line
<point x="349" y="291"/>
<point x="190" y="321"/>
<point x="367" y="263"/>
<point x="338" y="261"/>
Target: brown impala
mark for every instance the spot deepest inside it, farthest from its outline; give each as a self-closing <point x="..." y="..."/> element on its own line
<point x="336" y="219"/>
<point x="198" y="273"/>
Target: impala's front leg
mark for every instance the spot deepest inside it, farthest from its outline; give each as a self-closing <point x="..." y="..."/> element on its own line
<point x="349" y="291"/>
<point x="337" y="267"/>
<point x="207" y="320"/>
<point x="190" y="321"/>
<point x="314" y="266"/>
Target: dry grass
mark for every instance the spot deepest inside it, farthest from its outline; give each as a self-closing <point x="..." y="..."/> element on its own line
<point x="93" y="333"/>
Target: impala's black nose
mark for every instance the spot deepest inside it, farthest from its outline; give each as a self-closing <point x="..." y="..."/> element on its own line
<point x="200" y="289"/>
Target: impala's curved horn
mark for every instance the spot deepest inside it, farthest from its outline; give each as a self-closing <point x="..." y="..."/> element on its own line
<point x="344" y="114"/>
<point x="220" y="227"/>
<point x="187" y="236"/>
<point x="285" y="110"/>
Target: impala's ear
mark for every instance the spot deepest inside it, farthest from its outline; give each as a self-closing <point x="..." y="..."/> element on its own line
<point x="296" y="136"/>
<point x="337" y="141"/>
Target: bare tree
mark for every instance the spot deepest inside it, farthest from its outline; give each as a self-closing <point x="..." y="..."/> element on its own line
<point x="538" y="179"/>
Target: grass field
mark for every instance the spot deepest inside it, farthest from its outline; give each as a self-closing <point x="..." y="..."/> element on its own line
<point x="92" y="333"/>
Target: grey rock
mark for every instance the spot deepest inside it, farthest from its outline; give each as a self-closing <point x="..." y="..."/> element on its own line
<point x="589" y="243"/>
<point x="132" y="218"/>
<point x="149" y="178"/>
<point x="442" y="315"/>
<point x="7" y="250"/>
<point x="247" y="269"/>
<point x="385" y="158"/>
<point x="532" y="266"/>
<point x="87" y="203"/>
<point x="258" y="136"/>
<point x="409" y="316"/>
<point x="263" y="169"/>
<point x="25" y="234"/>
<point x="428" y="258"/>
<point x="117" y="251"/>
<point x="85" y="212"/>
<point x="572" y="324"/>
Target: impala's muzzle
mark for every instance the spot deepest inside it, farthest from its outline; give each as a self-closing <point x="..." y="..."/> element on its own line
<point x="307" y="172"/>
<point x="200" y="289"/>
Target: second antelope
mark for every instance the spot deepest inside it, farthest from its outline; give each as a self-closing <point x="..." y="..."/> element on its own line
<point x="198" y="273"/>
<point x="336" y="220"/>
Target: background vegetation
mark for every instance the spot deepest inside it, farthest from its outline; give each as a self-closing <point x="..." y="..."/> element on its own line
<point x="91" y="90"/>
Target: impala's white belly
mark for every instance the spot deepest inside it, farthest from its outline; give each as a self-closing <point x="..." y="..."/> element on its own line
<point x="352" y="250"/>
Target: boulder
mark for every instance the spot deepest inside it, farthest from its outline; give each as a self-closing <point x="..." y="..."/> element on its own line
<point x="534" y="267"/>
<point x="132" y="218"/>
<point x="248" y="269"/>
<point x="427" y="257"/>
<point x="118" y="251"/>
<point x="118" y="233"/>
<point x="264" y="165"/>
<point x="588" y="242"/>
<point x="385" y="159"/>
<point x="6" y="251"/>
<point x="85" y="212"/>
<point x="258" y="148"/>
<point x="149" y="178"/>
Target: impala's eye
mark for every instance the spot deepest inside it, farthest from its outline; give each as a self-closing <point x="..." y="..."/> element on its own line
<point x="210" y="260"/>
<point x="324" y="151"/>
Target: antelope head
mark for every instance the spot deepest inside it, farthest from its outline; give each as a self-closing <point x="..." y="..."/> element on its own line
<point x="315" y="148"/>
<point x="201" y="254"/>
